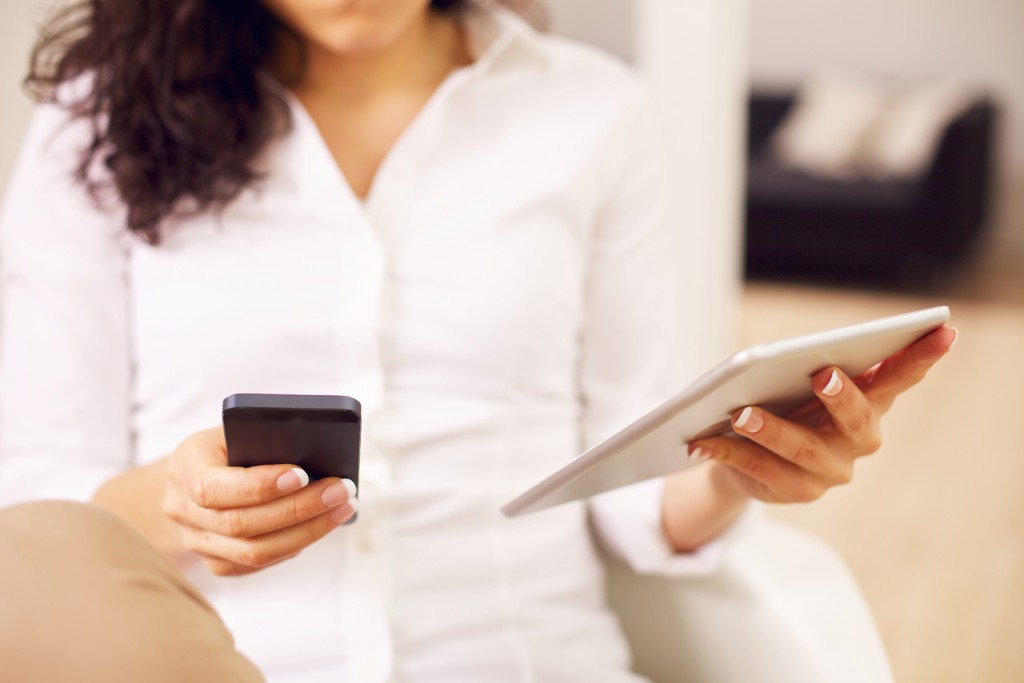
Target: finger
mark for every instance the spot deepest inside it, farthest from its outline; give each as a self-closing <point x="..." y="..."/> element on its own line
<point x="731" y="478"/>
<point x="852" y="414"/>
<point x="219" y="488"/>
<point x="200" y="467"/>
<point x="256" y="520"/>
<point x="262" y="551"/>
<point x="795" y="443"/>
<point x="907" y="367"/>
<point x="222" y="567"/>
<point x="770" y="477"/>
<point x="205" y="448"/>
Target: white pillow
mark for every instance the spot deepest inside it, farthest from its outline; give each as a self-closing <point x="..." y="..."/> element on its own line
<point x="822" y="134"/>
<point x="904" y="139"/>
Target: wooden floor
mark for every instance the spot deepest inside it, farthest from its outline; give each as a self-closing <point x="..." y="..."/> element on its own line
<point x="932" y="525"/>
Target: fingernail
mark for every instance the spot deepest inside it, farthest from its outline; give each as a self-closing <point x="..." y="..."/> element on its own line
<point x="749" y="421"/>
<point x="336" y="494"/>
<point x="292" y="480"/>
<point x="956" y="335"/>
<point x="835" y="384"/>
<point x="340" y="514"/>
<point x="700" y="453"/>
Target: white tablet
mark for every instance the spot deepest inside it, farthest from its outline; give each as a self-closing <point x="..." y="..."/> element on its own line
<point x="773" y="375"/>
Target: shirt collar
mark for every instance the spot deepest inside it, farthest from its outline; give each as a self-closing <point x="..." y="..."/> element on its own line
<point x="497" y="38"/>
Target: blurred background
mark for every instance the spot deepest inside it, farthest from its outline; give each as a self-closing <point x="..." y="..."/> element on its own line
<point x="835" y="162"/>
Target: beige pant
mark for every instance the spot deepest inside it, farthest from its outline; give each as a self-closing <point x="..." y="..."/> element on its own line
<point x="85" y="598"/>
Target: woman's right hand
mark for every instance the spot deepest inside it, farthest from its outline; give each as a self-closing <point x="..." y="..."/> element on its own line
<point x="240" y="520"/>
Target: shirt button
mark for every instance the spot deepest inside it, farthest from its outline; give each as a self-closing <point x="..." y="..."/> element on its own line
<point x="365" y="542"/>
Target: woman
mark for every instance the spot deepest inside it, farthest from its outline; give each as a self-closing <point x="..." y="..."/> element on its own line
<point x="431" y="208"/>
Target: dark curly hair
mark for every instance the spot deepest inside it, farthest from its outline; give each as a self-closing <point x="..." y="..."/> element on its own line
<point x="178" y="103"/>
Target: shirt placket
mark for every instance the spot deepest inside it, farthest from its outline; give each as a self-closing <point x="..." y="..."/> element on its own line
<point x="383" y="217"/>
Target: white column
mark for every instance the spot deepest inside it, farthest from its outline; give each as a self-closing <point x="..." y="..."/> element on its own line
<point x="693" y="53"/>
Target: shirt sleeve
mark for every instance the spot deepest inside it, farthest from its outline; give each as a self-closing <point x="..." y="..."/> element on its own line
<point x="632" y="341"/>
<point x="64" y="350"/>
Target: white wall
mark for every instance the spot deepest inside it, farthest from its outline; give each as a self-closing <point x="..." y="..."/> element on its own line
<point x="980" y="40"/>
<point x="608" y="23"/>
<point x="18" y="22"/>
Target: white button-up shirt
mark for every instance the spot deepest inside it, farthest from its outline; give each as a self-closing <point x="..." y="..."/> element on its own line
<point x="501" y="299"/>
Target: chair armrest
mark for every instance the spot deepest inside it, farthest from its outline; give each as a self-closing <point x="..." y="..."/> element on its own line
<point x="783" y="607"/>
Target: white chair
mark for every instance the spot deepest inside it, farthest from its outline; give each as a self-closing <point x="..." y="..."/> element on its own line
<point x="783" y="608"/>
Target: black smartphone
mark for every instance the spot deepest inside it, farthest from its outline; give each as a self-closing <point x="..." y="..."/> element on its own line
<point x="320" y="434"/>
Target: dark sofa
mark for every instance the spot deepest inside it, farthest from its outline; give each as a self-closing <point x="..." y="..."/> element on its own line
<point x="868" y="230"/>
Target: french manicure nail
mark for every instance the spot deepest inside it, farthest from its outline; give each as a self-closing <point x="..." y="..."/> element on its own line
<point x="338" y="493"/>
<point x="700" y="453"/>
<point x="956" y="335"/>
<point x="292" y="480"/>
<point x="343" y="512"/>
<point x="749" y="421"/>
<point x="835" y="384"/>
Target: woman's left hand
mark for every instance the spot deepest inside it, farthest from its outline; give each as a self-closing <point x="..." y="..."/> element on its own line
<point x="799" y="458"/>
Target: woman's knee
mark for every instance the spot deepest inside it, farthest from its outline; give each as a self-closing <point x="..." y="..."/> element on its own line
<point x="51" y="525"/>
<point x="88" y="598"/>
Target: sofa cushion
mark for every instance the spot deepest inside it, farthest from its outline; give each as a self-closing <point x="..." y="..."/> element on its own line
<point x="769" y="184"/>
